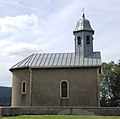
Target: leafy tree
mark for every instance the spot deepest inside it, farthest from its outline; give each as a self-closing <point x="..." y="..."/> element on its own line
<point x="110" y="85"/>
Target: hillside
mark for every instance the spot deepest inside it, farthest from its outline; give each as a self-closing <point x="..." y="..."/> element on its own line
<point x="5" y="96"/>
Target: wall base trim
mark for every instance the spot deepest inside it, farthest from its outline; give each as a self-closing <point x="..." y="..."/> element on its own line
<point x="56" y="110"/>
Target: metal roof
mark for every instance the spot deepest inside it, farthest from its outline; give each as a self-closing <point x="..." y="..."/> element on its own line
<point x="83" y="24"/>
<point x="54" y="60"/>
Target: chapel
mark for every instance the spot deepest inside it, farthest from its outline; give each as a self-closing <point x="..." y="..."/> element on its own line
<point x="60" y="79"/>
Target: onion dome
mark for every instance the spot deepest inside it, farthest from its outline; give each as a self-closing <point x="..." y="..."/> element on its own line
<point x="83" y="25"/>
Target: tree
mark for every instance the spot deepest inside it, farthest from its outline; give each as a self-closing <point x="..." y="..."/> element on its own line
<point x="110" y="84"/>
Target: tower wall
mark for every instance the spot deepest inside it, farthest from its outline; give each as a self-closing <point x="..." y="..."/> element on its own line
<point x="88" y="48"/>
<point x="84" y="49"/>
<point x="83" y="38"/>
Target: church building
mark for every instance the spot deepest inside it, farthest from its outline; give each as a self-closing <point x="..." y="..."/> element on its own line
<point x="60" y="79"/>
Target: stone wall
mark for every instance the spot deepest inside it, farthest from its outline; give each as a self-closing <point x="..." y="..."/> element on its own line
<point x="83" y="87"/>
<point x="9" y="111"/>
<point x="43" y="87"/>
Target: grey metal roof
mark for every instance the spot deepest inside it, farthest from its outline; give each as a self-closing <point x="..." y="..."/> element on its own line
<point x="83" y="24"/>
<point x="54" y="60"/>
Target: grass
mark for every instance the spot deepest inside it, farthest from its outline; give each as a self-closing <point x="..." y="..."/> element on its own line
<point x="61" y="117"/>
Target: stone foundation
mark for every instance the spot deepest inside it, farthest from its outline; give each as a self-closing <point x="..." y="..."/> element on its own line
<point x="102" y="111"/>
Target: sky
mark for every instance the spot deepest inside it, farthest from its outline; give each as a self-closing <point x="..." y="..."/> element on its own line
<point x="32" y="26"/>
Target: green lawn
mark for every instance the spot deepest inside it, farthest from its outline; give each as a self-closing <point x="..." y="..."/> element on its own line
<point x="61" y="117"/>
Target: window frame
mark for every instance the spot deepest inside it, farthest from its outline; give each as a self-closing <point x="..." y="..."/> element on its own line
<point x="24" y="87"/>
<point x="67" y="89"/>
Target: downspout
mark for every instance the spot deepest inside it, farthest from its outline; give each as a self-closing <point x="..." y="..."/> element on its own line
<point x="30" y="79"/>
<point x="98" y="86"/>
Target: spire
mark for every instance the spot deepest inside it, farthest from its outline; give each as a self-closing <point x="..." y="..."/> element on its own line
<point x="83" y="14"/>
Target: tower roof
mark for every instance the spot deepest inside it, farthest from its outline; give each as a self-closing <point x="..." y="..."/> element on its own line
<point x="83" y="25"/>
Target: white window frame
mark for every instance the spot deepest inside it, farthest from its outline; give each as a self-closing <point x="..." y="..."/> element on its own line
<point x="67" y="90"/>
<point x="25" y="87"/>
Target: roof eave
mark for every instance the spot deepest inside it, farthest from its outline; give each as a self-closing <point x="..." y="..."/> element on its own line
<point x="11" y="69"/>
<point x="56" y="67"/>
<point x="83" y="30"/>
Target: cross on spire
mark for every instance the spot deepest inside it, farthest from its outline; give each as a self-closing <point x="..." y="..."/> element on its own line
<point x="83" y="13"/>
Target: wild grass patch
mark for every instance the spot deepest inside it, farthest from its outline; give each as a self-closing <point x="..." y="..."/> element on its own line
<point x="61" y="117"/>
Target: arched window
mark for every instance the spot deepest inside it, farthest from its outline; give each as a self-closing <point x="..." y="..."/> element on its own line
<point x="23" y="87"/>
<point x="64" y="89"/>
<point x="88" y="39"/>
<point x="79" y="40"/>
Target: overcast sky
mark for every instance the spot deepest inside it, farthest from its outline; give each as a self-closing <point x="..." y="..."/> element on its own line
<point x="30" y="26"/>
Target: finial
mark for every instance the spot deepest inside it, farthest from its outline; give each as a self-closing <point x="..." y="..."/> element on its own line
<point x="83" y="13"/>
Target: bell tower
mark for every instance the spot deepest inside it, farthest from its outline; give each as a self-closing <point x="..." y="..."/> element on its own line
<point x="83" y="38"/>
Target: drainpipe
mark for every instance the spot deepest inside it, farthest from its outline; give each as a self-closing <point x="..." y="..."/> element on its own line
<point x="98" y="87"/>
<point x="30" y="94"/>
